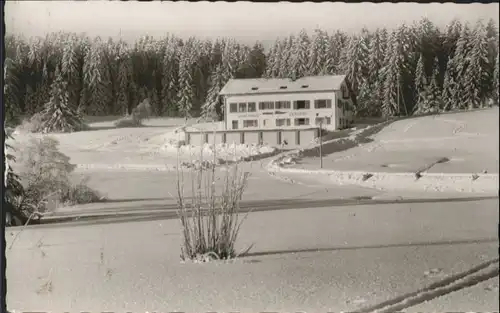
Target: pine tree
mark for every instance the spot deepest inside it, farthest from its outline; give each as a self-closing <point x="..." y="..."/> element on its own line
<point x="286" y="57"/>
<point x="355" y="61"/>
<point x="450" y="87"/>
<point x="392" y="78"/>
<point x="12" y="92"/>
<point x="457" y="45"/>
<point x="461" y="62"/>
<point x="435" y="89"/>
<point x="476" y="75"/>
<point x="14" y="189"/>
<point x="493" y="41"/>
<point x="336" y="46"/>
<point x="58" y="115"/>
<point x="170" y="78"/>
<point x="123" y="79"/>
<point x="217" y="82"/>
<point x="373" y="87"/>
<point x="420" y="85"/>
<point x="96" y="98"/>
<point x="299" y="59"/>
<point x="185" y="94"/>
<point x="495" y="82"/>
<point x="270" y="61"/>
<point x="70" y="69"/>
<point x="318" y="53"/>
<point x="430" y="100"/>
<point x="273" y="60"/>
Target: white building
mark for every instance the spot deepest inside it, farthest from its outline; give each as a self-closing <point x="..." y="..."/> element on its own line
<point x="286" y="104"/>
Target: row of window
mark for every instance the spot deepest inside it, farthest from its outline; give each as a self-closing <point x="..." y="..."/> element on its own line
<point x="279" y="105"/>
<point x="282" y="122"/>
<point x="261" y="138"/>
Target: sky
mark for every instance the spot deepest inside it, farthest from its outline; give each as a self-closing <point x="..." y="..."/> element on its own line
<point x="245" y="21"/>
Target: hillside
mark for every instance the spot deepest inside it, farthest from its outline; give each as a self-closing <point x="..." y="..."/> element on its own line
<point x="465" y="142"/>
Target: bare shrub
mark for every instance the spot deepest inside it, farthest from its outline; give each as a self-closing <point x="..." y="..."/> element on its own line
<point x="210" y="218"/>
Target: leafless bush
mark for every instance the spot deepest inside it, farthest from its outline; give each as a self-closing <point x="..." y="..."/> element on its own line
<point x="210" y="218"/>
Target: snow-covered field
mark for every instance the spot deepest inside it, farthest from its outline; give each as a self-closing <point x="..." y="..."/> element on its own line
<point x="468" y="141"/>
<point x="311" y="259"/>
<point x="156" y="146"/>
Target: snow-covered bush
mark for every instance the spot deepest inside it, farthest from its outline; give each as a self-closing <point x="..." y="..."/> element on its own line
<point x="44" y="173"/>
<point x="81" y="193"/>
<point x="141" y="111"/>
<point x="127" y="121"/>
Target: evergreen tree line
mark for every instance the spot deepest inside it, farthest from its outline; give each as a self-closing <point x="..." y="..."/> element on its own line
<point x="412" y="69"/>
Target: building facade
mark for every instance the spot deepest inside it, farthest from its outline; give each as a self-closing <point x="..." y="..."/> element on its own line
<point x="285" y="104"/>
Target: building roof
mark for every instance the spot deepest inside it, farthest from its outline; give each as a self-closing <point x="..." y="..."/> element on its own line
<point x="282" y="85"/>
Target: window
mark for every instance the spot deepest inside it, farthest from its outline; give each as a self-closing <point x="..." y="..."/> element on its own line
<point x="249" y="123"/>
<point x="279" y="138"/>
<point x="345" y="92"/>
<point x="282" y="105"/>
<point x="242" y="138"/>
<point x="323" y="104"/>
<point x="251" y="107"/>
<point x="206" y="138"/>
<point x="233" y="108"/>
<point x="301" y="121"/>
<point x="266" y="105"/>
<point x="265" y="122"/>
<point x="282" y="122"/>
<point x="261" y="138"/>
<point x="283" y="87"/>
<point x="242" y="107"/>
<point x="301" y="105"/>
<point x="297" y="137"/>
<point x="325" y="120"/>
<point x="224" y="138"/>
<point x="235" y="124"/>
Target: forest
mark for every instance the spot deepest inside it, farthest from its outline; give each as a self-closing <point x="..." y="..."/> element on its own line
<point x="409" y="70"/>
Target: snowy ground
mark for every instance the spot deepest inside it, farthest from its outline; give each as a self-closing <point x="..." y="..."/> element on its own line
<point x="361" y="255"/>
<point x="317" y="259"/>
<point x="157" y="146"/>
<point x="468" y="140"/>
<point x="455" y="152"/>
